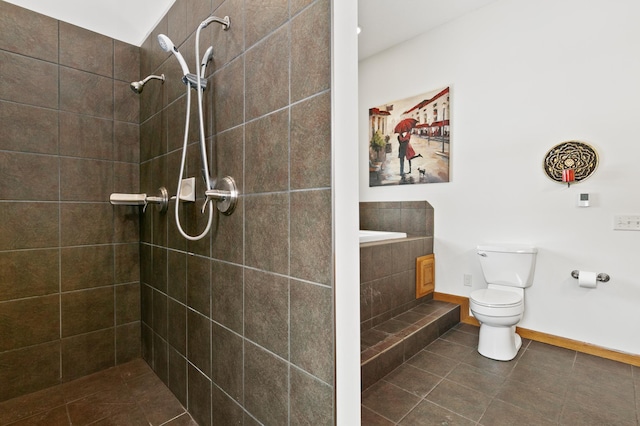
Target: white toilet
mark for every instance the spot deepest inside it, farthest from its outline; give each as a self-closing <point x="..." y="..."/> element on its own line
<point x="508" y="270"/>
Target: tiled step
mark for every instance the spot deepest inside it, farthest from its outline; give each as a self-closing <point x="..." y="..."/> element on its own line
<point x="389" y="344"/>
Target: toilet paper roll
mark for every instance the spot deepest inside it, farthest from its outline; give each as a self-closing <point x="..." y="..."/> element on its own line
<point x="587" y="279"/>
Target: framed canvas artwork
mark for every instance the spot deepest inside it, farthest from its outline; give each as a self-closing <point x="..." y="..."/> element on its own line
<point x="409" y="140"/>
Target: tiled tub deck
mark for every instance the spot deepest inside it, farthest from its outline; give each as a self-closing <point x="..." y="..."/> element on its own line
<point x="389" y="344"/>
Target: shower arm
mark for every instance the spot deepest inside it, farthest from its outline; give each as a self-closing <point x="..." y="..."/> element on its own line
<point x="226" y="23"/>
<point x="152" y="77"/>
<point x="137" y="86"/>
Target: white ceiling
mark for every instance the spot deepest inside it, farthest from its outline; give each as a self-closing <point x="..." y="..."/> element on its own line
<point x="384" y="23"/>
<point x="130" y="21"/>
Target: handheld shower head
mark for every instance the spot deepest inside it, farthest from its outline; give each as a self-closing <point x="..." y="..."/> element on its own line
<point x="208" y="55"/>
<point x="137" y="86"/>
<point x="167" y="45"/>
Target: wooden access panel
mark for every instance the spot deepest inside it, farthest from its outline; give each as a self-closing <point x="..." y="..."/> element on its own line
<point x="425" y="275"/>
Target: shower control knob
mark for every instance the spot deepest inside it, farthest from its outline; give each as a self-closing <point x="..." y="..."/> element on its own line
<point x="225" y="195"/>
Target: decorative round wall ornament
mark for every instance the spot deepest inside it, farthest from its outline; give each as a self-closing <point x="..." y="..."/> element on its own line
<point x="575" y="155"/>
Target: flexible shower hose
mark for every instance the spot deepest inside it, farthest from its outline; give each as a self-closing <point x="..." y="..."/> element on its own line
<point x="203" y="151"/>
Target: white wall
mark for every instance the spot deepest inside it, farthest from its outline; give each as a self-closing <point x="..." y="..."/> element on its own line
<point x="524" y="77"/>
<point x="346" y="249"/>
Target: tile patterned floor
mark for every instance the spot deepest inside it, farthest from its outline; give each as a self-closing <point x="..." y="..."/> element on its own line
<point x="449" y="383"/>
<point x="127" y="395"/>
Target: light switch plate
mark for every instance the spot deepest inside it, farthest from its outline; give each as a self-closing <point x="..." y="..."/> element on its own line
<point x="626" y="222"/>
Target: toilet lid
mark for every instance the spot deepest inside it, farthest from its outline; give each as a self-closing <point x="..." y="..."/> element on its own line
<point x="491" y="297"/>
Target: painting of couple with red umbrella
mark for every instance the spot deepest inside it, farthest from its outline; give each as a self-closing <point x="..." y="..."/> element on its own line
<point x="409" y="141"/>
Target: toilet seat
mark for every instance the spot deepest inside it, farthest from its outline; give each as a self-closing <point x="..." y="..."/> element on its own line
<point x="492" y="298"/>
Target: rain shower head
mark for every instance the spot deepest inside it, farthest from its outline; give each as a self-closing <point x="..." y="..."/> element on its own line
<point x="167" y="45"/>
<point x="137" y="86"/>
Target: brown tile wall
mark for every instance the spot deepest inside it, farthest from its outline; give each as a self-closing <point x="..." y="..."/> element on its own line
<point x="240" y="324"/>
<point x="388" y="278"/>
<point x="388" y="269"/>
<point x="413" y="217"/>
<point x="69" y="261"/>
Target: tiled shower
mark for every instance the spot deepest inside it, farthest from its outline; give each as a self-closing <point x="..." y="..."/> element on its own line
<point x="69" y="262"/>
<point x="239" y="325"/>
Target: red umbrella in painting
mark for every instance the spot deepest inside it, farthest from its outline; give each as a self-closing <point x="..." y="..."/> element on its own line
<point x="405" y="125"/>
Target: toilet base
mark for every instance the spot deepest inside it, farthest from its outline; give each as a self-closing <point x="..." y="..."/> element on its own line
<point x="499" y="343"/>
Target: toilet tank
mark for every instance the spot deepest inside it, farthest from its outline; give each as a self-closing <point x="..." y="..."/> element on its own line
<point x="508" y="265"/>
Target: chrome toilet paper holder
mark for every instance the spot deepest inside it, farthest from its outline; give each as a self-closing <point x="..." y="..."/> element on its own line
<point x="602" y="277"/>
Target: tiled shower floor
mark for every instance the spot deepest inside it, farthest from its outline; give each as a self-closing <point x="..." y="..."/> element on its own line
<point x="127" y="395"/>
<point x="448" y="382"/>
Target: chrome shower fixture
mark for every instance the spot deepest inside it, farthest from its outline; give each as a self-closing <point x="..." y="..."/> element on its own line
<point x="208" y="55"/>
<point x="226" y="23"/>
<point x="224" y="193"/>
<point x="189" y="79"/>
<point x="137" y="86"/>
<point x="167" y="45"/>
